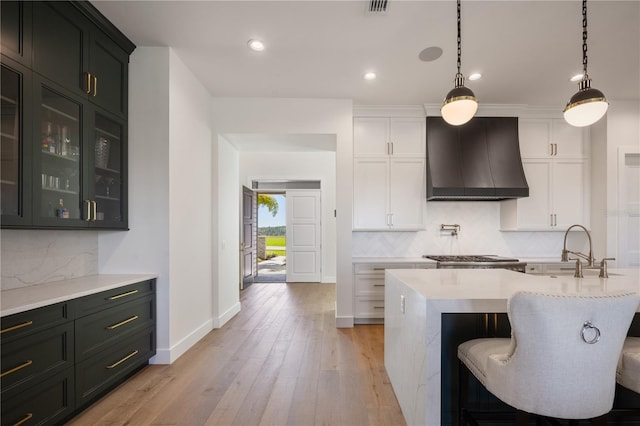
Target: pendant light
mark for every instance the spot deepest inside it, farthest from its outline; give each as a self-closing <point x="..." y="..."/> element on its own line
<point x="461" y="104"/>
<point x="588" y="105"/>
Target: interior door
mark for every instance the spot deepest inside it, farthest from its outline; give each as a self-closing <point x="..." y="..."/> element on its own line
<point x="248" y="238"/>
<point x="303" y="235"/>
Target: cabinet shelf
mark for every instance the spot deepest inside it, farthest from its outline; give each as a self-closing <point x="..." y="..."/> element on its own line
<point x="104" y="132"/>
<point x="62" y="157"/>
<point x="104" y="197"/>
<point x="60" y="191"/>
<point x="7" y="182"/>
<point x="8" y="136"/>
<point x="8" y="100"/>
<point x="108" y="171"/>
<point x="57" y="111"/>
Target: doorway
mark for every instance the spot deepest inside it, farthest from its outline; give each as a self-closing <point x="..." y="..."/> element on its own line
<point x="271" y="237"/>
<point x="629" y="207"/>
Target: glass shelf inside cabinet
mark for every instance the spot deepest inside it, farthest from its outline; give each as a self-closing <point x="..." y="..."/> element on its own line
<point x="59" y="160"/>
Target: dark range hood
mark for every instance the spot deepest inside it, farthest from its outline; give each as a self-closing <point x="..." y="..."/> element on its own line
<point x="479" y="160"/>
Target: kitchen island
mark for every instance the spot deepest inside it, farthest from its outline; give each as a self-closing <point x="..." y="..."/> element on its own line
<point x="417" y="301"/>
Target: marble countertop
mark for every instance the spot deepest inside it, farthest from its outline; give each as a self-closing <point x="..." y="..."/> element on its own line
<point x="36" y="296"/>
<point x="500" y="284"/>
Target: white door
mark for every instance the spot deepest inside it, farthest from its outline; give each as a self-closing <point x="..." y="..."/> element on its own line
<point x="629" y="202"/>
<point x="303" y="235"/>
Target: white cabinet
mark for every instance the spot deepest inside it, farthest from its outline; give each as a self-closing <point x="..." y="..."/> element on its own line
<point x="388" y="194"/>
<point x="368" y="281"/>
<point x="389" y="174"/>
<point x="382" y="136"/>
<point x="555" y="159"/>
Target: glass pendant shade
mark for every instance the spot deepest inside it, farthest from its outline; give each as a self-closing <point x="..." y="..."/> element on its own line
<point x="459" y="106"/>
<point x="585" y="107"/>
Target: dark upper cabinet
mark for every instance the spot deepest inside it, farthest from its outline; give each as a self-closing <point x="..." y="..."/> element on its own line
<point x="60" y="45"/>
<point x="64" y="120"/>
<point x="15" y="30"/>
<point x="80" y="57"/>
<point x="15" y="172"/>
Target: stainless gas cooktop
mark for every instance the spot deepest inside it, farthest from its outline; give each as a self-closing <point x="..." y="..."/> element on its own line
<point x="477" y="261"/>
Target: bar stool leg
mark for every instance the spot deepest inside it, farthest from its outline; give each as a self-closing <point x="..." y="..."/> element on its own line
<point x="463" y="392"/>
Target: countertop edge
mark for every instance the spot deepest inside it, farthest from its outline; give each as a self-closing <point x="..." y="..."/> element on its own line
<point x="366" y="260"/>
<point x="23" y="299"/>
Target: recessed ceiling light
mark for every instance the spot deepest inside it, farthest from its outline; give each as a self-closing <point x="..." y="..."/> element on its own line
<point x="256" y="45"/>
<point x="475" y="76"/>
<point x="576" y="77"/>
<point x="370" y="75"/>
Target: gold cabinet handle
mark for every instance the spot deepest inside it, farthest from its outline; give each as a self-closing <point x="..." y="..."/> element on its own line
<point x="378" y="269"/>
<point x="378" y="307"/>
<point x="95" y="210"/>
<point x="118" y="296"/>
<point x="88" y="90"/>
<point x="95" y="86"/>
<point x="26" y="418"/>
<point x="378" y="285"/>
<point x="121" y="323"/>
<point x="20" y="367"/>
<point x="16" y="327"/>
<point x="88" y="218"/>
<point x="117" y="363"/>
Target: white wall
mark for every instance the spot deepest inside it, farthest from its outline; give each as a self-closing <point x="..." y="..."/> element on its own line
<point x="226" y="240"/>
<point x="622" y="129"/>
<point x="169" y="193"/>
<point x="301" y="166"/>
<point x="303" y="116"/>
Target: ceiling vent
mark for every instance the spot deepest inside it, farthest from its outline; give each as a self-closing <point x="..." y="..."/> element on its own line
<point x="377" y="7"/>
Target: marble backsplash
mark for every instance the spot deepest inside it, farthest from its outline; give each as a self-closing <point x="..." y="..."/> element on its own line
<point x="30" y="257"/>
<point x="479" y="234"/>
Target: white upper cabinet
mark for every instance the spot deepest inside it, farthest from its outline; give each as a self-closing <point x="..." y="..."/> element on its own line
<point x="546" y="138"/>
<point x="555" y="158"/>
<point x="389" y="177"/>
<point x="382" y="137"/>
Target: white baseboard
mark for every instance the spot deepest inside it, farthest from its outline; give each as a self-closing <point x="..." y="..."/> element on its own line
<point x="225" y="317"/>
<point x="344" y="322"/>
<point x="168" y="356"/>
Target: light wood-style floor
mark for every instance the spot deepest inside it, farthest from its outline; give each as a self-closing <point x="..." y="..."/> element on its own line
<point x="280" y="361"/>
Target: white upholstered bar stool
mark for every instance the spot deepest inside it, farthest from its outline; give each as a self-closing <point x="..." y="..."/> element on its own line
<point x="561" y="359"/>
<point x="628" y="373"/>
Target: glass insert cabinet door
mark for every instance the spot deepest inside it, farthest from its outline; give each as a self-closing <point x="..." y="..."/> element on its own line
<point x="108" y="177"/>
<point x="14" y="204"/>
<point x="57" y="160"/>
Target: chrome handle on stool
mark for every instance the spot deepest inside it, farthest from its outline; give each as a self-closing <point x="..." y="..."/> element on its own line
<point x="588" y="326"/>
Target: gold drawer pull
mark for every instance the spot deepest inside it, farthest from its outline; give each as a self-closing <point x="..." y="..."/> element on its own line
<point x="24" y="419"/>
<point x="378" y="285"/>
<point x="118" y="296"/>
<point x="115" y="364"/>
<point x="15" y="327"/>
<point x="378" y="269"/>
<point x="20" y="367"/>
<point x="378" y="307"/>
<point x="111" y="327"/>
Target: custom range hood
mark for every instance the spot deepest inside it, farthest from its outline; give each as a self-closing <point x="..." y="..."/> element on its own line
<point x="479" y="160"/>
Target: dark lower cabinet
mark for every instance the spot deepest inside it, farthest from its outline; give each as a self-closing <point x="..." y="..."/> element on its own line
<point x="50" y="402"/>
<point x="58" y="359"/>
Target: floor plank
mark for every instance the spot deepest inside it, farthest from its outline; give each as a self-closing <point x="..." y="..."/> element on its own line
<point x="280" y="361"/>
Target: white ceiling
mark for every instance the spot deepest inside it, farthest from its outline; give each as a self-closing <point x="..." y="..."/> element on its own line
<point x="526" y="50"/>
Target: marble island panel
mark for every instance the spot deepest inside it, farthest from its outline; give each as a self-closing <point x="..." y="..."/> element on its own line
<point x="416" y="299"/>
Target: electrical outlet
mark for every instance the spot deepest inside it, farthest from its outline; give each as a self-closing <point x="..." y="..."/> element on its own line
<point x="402" y="304"/>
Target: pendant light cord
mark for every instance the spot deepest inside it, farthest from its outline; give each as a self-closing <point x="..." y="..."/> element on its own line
<point x="460" y="40"/>
<point x="584" y="37"/>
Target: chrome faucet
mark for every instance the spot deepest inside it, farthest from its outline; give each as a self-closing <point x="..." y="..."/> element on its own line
<point x="565" y="253"/>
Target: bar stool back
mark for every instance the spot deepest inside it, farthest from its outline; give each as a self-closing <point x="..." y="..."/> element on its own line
<point x="561" y="359"/>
